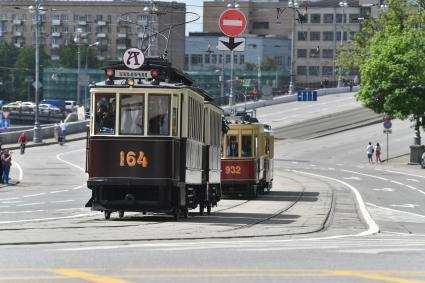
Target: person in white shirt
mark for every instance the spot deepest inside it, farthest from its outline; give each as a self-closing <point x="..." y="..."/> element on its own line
<point x="369" y="151"/>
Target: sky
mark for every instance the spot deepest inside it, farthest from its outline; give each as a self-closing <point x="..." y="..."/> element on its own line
<point x="193" y="6"/>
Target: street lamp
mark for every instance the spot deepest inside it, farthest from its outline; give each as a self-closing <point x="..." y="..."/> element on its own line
<point x="294" y="5"/>
<point x="37" y="9"/>
<point x="344" y="5"/>
<point x="77" y="40"/>
<point x="85" y="70"/>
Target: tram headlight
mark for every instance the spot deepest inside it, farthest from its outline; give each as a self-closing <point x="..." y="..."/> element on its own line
<point x="130" y="82"/>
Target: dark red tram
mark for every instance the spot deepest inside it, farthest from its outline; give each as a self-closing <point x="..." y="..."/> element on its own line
<point x="154" y="142"/>
<point x="247" y="161"/>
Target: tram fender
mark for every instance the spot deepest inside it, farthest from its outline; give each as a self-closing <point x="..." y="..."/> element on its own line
<point x="89" y="203"/>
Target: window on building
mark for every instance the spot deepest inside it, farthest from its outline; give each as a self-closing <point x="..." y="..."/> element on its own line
<point x="328" y="36"/>
<point x="328" y="53"/>
<point x="315" y="36"/>
<point x="302" y="35"/>
<point x="339" y="18"/>
<point x="328" y="18"/>
<point x="260" y="25"/>
<point x="365" y="12"/>
<point x="352" y="35"/>
<point x="207" y="58"/>
<point x="241" y="59"/>
<point x="227" y="59"/>
<point x="353" y="18"/>
<point x="314" y="70"/>
<point x="301" y="53"/>
<point x="314" y="52"/>
<point x="213" y="59"/>
<point x="278" y="60"/>
<point x="315" y="18"/>
<point x="235" y="59"/>
<point x="186" y="60"/>
<point x="301" y="70"/>
<point x="220" y="59"/>
<point x="196" y="59"/>
<point x="327" y="70"/>
<point x="338" y="36"/>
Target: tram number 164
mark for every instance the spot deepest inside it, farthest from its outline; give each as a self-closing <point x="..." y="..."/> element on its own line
<point x="232" y="170"/>
<point x="132" y="159"/>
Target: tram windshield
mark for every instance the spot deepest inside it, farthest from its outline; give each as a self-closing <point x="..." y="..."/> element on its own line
<point x="232" y="146"/>
<point x="159" y="115"/>
<point x="132" y="114"/>
<point x="246" y="146"/>
<point x="105" y="114"/>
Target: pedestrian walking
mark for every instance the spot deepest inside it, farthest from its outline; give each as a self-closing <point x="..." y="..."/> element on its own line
<point x="62" y="126"/>
<point x="6" y="162"/>
<point x="369" y="151"/>
<point x="378" y="153"/>
<point x="23" y="139"/>
<point x="1" y="165"/>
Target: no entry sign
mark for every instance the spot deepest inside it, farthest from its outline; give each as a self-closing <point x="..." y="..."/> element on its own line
<point x="232" y="22"/>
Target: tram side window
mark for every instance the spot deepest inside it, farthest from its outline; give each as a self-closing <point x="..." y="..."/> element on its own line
<point x="159" y="115"/>
<point x="246" y="146"/>
<point x="105" y="114"/>
<point x="132" y="114"/>
<point x="174" y="123"/>
<point x="232" y="146"/>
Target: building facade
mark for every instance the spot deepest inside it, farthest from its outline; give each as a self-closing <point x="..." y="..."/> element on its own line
<point x="202" y="52"/>
<point x="321" y="27"/>
<point x="115" y="24"/>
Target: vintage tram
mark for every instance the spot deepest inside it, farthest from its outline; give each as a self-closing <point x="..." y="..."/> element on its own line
<point x="247" y="157"/>
<point x="153" y="143"/>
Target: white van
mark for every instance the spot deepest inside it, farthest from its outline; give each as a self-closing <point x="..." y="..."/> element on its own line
<point x="70" y="105"/>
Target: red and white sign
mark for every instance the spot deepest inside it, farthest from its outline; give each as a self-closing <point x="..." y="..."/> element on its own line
<point x="232" y="22"/>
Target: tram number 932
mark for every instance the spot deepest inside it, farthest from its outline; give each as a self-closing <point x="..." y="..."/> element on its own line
<point x="232" y="170"/>
<point x="132" y="159"/>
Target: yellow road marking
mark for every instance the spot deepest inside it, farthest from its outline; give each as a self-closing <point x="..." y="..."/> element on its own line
<point x="374" y="276"/>
<point x="31" y="278"/>
<point x="75" y="273"/>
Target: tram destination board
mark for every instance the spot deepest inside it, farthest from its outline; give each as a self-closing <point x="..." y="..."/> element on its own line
<point x="133" y="74"/>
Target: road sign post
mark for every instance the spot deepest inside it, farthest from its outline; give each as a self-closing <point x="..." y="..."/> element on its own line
<point x="388" y="131"/>
<point x="232" y="22"/>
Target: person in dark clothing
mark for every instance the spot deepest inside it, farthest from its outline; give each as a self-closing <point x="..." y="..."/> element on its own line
<point x="1" y="165"/>
<point x="6" y="161"/>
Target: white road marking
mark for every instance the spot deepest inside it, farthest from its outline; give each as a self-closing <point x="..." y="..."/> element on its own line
<point x="34" y="195"/>
<point x="55" y="192"/>
<point x="372" y="226"/>
<point x="384" y="189"/>
<point x="402" y="173"/>
<point x="362" y="174"/>
<point x="398" y="183"/>
<point x="21" y="172"/>
<point x="339" y="164"/>
<point x="331" y="169"/>
<point x="416" y="189"/>
<point x="353" y="178"/>
<point x="407" y="205"/>
<point x="12" y="201"/>
<point x="28" y="204"/>
<point x="378" y="251"/>
<point x="395" y="214"/>
<point x="19" y="212"/>
<point x="413" y="180"/>
<point x="47" y="219"/>
<point x="59" y="201"/>
<point x="7" y="199"/>
<point x="69" y="163"/>
<point x="4" y="206"/>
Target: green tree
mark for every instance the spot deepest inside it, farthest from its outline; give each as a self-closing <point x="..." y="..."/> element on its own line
<point x="392" y="72"/>
<point x="8" y="55"/>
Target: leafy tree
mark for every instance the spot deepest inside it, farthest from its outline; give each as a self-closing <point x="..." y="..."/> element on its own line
<point x="391" y="68"/>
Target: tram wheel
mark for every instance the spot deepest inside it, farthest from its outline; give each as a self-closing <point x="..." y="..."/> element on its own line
<point x="107" y="214"/>
<point x="121" y="214"/>
<point x="209" y="208"/>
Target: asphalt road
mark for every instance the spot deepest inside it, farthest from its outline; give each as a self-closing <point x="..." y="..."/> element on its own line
<point x="331" y="217"/>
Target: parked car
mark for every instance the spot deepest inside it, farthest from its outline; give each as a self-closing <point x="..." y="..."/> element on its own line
<point x="70" y="105"/>
<point x="59" y="103"/>
<point x="423" y="161"/>
<point x="27" y="106"/>
<point x="12" y="106"/>
<point x="48" y="108"/>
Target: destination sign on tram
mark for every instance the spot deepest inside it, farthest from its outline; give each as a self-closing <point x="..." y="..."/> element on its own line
<point x="133" y="74"/>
